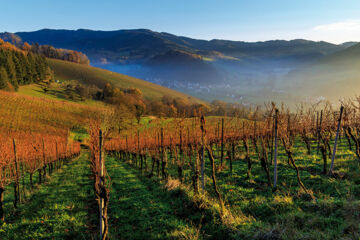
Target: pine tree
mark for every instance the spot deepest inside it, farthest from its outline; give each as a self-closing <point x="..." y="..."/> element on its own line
<point x="18" y="59"/>
<point x="3" y="78"/>
<point x="30" y="68"/>
<point x="11" y="71"/>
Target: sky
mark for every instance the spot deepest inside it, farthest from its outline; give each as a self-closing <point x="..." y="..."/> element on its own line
<point x="334" y="21"/>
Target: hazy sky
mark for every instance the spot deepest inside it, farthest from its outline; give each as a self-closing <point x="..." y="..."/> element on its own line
<point x="252" y="20"/>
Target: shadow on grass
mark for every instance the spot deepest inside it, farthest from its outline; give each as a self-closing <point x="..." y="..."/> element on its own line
<point x="140" y="208"/>
<point x="58" y="209"/>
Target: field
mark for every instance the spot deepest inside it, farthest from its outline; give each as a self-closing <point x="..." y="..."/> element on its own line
<point x="152" y="173"/>
<point x="99" y="77"/>
<point x="318" y="203"/>
<point x="289" y="213"/>
<point x="55" y="92"/>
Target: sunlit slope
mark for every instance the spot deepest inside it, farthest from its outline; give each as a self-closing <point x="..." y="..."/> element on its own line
<point x="99" y="77"/>
<point x="334" y="77"/>
<point x="42" y="115"/>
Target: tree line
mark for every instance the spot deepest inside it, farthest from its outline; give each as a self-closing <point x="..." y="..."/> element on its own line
<point x="57" y="53"/>
<point x="19" y="67"/>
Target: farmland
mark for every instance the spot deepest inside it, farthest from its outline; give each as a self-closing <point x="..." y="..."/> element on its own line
<point x="311" y="197"/>
<point x="178" y="178"/>
<point x="87" y="153"/>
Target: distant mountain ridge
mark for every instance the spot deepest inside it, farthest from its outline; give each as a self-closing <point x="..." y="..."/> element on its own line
<point x="222" y="69"/>
<point x="140" y="44"/>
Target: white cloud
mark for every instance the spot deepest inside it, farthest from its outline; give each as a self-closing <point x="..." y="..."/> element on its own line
<point x="348" y="25"/>
<point x="337" y="32"/>
<point x="334" y="32"/>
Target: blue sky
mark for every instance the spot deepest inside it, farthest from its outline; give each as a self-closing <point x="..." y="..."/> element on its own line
<point x="252" y="20"/>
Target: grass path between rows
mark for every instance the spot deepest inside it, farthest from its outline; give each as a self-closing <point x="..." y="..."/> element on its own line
<point x="141" y="209"/>
<point x="59" y="209"/>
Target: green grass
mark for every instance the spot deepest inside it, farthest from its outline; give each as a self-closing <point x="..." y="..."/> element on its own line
<point x="58" y="209"/>
<point x="289" y="213"/>
<point x="145" y="208"/>
<point x="141" y="208"/>
<point x="99" y="77"/>
<point x="55" y="92"/>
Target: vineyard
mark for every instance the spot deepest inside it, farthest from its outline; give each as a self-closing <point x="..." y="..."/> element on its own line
<point x="276" y="175"/>
<point x="37" y="140"/>
<point x="70" y="171"/>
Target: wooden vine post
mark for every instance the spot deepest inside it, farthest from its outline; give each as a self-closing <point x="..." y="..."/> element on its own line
<point x="57" y="154"/>
<point x="335" y="143"/>
<point x="138" y="149"/>
<point x="2" y="214"/>
<point x="276" y="146"/>
<point x="222" y="141"/>
<point x="180" y="164"/>
<point x="202" y="126"/>
<point x="272" y="141"/>
<point x="319" y="131"/>
<point x="101" y="206"/>
<point x="163" y="156"/>
<point x="127" y="148"/>
<point x="16" y="184"/>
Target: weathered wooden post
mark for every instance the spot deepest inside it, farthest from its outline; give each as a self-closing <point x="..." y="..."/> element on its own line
<point x="319" y="131"/>
<point x="180" y="164"/>
<point x="44" y="159"/>
<point x="202" y="126"/>
<point x="272" y="141"/>
<point x="222" y="142"/>
<point x="276" y="146"/>
<point x="23" y="196"/>
<point x="16" y="184"/>
<point x="2" y="214"/>
<point x="57" y="154"/>
<point x="101" y="206"/>
<point x="127" y="148"/>
<point x="163" y="156"/>
<point x="335" y="143"/>
<point x="138" y="149"/>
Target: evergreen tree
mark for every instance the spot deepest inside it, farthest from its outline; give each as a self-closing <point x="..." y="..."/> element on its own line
<point x="31" y="70"/>
<point x="3" y="78"/>
<point x="23" y="67"/>
<point x="18" y="59"/>
<point x="11" y="71"/>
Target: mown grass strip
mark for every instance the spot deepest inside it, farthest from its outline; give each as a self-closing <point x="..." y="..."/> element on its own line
<point x="141" y="208"/>
<point x="59" y="209"/>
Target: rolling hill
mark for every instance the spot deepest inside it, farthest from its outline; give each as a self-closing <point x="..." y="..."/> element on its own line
<point x="333" y="77"/>
<point x="142" y="44"/>
<point x="91" y="75"/>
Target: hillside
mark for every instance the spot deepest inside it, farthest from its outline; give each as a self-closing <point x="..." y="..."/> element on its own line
<point x="241" y="70"/>
<point x="135" y="44"/>
<point x="99" y="77"/>
<point x="333" y="77"/>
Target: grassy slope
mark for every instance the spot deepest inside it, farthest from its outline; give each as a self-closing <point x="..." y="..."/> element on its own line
<point x="142" y="208"/>
<point x="288" y="213"/>
<point x="55" y="92"/>
<point x="138" y="212"/>
<point x="19" y="112"/>
<point x="58" y="209"/>
<point x="92" y="75"/>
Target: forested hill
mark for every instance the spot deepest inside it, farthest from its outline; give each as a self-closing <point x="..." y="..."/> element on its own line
<point x="20" y="67"/>
<point x="46" y="50"/>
